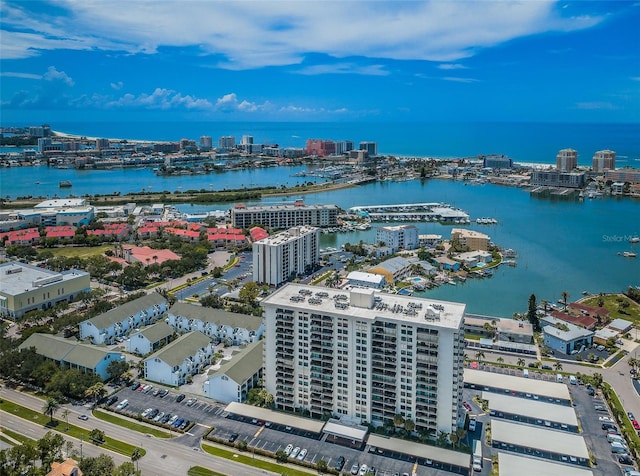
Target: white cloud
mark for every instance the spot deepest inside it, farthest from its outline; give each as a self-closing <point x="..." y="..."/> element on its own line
<point x="456" y="79"/>
<point x="11" y="74"/>
<point x="596" y="105"/>
<point x="345" y="68"/>
<point x="249" y="34"/>
<point x="230" y="103"/>
<point x="53" y="74"/>
<point x="448" y="66"/>
<point x="117" y="86"/>
<point x="161" y="98"/>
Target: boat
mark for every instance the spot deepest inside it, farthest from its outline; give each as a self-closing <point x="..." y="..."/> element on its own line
<point x="634" y="239"/>
<point x="65" y="184"/>
<point x="629" y="254"/>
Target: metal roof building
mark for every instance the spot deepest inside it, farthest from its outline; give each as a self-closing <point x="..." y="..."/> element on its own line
<point x="532" y="411"/>
<point x="513" y="465"/>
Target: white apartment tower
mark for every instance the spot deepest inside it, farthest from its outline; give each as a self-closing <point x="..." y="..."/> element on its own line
<point x="206" y="142"/>
<point x="365" y="355"/>
<point x="567" y="160"/>
<point x="397" y="237"/>
<point x="603" y="160"/>
<point x="279" y="257"/>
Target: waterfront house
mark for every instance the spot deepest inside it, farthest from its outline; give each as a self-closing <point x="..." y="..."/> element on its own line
<point x="217" y="324"/>
<point x="393" y="269"/>
<point x="447" y="264"/>
<point x="621" y="326"/>
<point x="582" y="320"/>
<point x="366" y="280"/>
<point x="150" y="338"/>
<point x="119" y="322"/>
<point x="235" y="377"/>
<point x="187" y="355"/>
<point x="72" y="354"/>
<point x="563" y="336"/>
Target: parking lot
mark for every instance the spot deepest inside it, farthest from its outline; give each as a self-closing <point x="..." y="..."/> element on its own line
<point x="267" y="436"/>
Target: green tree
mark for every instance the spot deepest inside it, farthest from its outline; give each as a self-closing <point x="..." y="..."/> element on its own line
<point x="521" y="362"/>
<point x="409" y="425"/>
<point x="117" y="367"/>
<point x="249" y="293"/>
<point x="101" y="465"/>
<point x="479" y="356"/>
<point x="565" y="296"/>
<point x="281" y="456"/>
<point x="500" y="360"/>
<point x="65" y="415"/>
<point x="96" y="392"/>
<point x="398" y="420"/>
<point x="532" y="313"/>
<point x="126" y="469"/>
<point x="136" y="455"/>
<point x="50" y="448"/>
<point x="50" y="407"/>
<point x="557" y="366"/>
<point x="97" y="436"/>
<point x="322" y="466"/>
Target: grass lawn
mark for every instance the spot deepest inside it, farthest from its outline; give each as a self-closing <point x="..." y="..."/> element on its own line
<point x="200" y="471"/>
<point x="246" y="458"/>
<point x="61" y="427"/>
<point x="132" y="425"/>
<point x="14" y="435"/>
<point x="612" y="303"/>
<point x="80" y="251"/>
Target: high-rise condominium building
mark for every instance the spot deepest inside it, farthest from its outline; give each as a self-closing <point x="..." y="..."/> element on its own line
<point x="365" y="355"/>
<point x="603" y="160"/>
<point x="398" y="237"/>
<point x="287" y="254"/>
<point x="567" y="160"/>
<point x="206" y="142"/>
<point x="226" y="142"/>
<point x="284" y="216"/>
<point x="370" y="147"/>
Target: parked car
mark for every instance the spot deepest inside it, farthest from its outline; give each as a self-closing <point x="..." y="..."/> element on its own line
<point x="233" y="437"/>
<point x="605" y="418"/>
<point x="635" y="424"/>
<point x="472" y="425"/>
<point x="600" y="408"/>
<point x="354" y="468"/>
<point x="295" y="452"/>
<point x="302" y="454"/>
<point x="163" y="392"/>
<point x="180" y="397"/>
<point x="111" y="400"/>
<point x="135" y="386"/>
<point x="165" y="419"/>
<point x="363" y="470"/>
<point x="191" y="401"/>
<point x="466" y="406"/>
<point x="339" y="463"/>
<point x="178" y="422"/>
<point x="147" y="388"/>
<point x="288" y="449"/>
<point x="184" y="424"/>
<point x="123" y="404"/>
<point x="625" y="459"/>
<point x="546" y="367"/>
<point x="630" y="415"/>
<point x="145" y="413"/>
<point x="608" y="426"/>
<point x="159" y="416"/>
<point x="172" y="420"/>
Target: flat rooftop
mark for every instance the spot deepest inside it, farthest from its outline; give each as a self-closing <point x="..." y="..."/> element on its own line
<point x="18" y="278"/>
<point x="417" y="449"/>
<point x="367" y="304"/>
<point x="559" y="442"/>
<point x="314" y="426"/>
<point x="514" y="465"/>
<point x="531" y="408"/>
<point x="289" y="235"/>
<point x="482" y="379"/>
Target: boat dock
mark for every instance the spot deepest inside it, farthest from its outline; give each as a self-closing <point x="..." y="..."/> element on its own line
<point x="440" y="212"/>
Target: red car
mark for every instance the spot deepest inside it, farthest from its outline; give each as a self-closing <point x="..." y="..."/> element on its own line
<point x="635" y="424"/>
<point x="466" y="406"/>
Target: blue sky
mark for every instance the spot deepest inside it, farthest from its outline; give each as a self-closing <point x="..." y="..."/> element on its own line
<point x="535" y="60"/>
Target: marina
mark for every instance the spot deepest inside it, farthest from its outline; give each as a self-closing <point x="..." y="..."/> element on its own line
<point x="410" y="212"/>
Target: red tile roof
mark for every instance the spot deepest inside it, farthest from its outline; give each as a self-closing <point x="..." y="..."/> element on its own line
<point x="583" y="321"/>
<point x="594" y="311"/>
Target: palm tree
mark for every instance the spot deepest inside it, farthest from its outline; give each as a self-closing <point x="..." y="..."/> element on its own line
<point x="565" y="296"/>
<point x="398" y="420"/>
<point x="479" y="356"/>
<point x="135" y="456"/>
<point x="96" y="391"/>
<point x="50" y="407"/>
<point x="557" y="366"/>
<point x="500" y="360"/>
<point x="521" y="362"/>
<point x="545" y="306"/>
<point x="65" y="415"/>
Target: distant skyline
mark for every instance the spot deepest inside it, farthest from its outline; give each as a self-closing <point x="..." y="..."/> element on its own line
<point x="529" y="61"/>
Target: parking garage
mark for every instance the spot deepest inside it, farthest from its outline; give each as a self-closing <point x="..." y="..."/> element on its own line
<point x="533" y="412"/>
<point x="276" y="420"/>
<point x="351" y="436"/>
<point x="533" y="441"/>
<point x="424" y="455"/>
<point x="551" y="392"/>
<point x="514" y="465"/>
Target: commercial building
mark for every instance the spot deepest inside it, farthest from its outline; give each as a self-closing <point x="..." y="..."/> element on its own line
<point x="320" y="147"/>
<point x="150" y="338"/>
<point x="497" y="162"/>
<point x="470" y="238"/>
<point x="219" y="325"/>
<point x="284" y="216"/>
<point x="120" y="321"/>
<point x="26" y="287"/>
<point x="566" y="160"/>
<point x="364" y="355"/>
<point x="548" y="444"/>
<point x="370" y="147"/>
<point x="508" y="330"/>
<point x="623" y="175"/>
<point x="235" y="377"/>
<point x="603" y="160"/>
<point x="278" y="258"/>
<point x="398" y="237"/>
<point x="563" y="336"/>
<point x="187" y="355"/>
<point x="555" y="178"/>
<point x="72" y="354"/>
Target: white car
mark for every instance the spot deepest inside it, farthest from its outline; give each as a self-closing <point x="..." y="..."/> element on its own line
<point x="363" y="470"/>
<point x="288" y="450"/>
<point x="123" y="404"/>
<point x="172" y="420"/>
<point x="159" y="416"/>
<point x="295" y="452"/>
<point x="605" y="419"/>
<point x="302" y="454"/>
<point x="146" y="412"/>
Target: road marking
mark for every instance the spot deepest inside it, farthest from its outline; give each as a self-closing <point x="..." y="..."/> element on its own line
<point x="258" y="432"/>
<point x="415" y="468"/>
